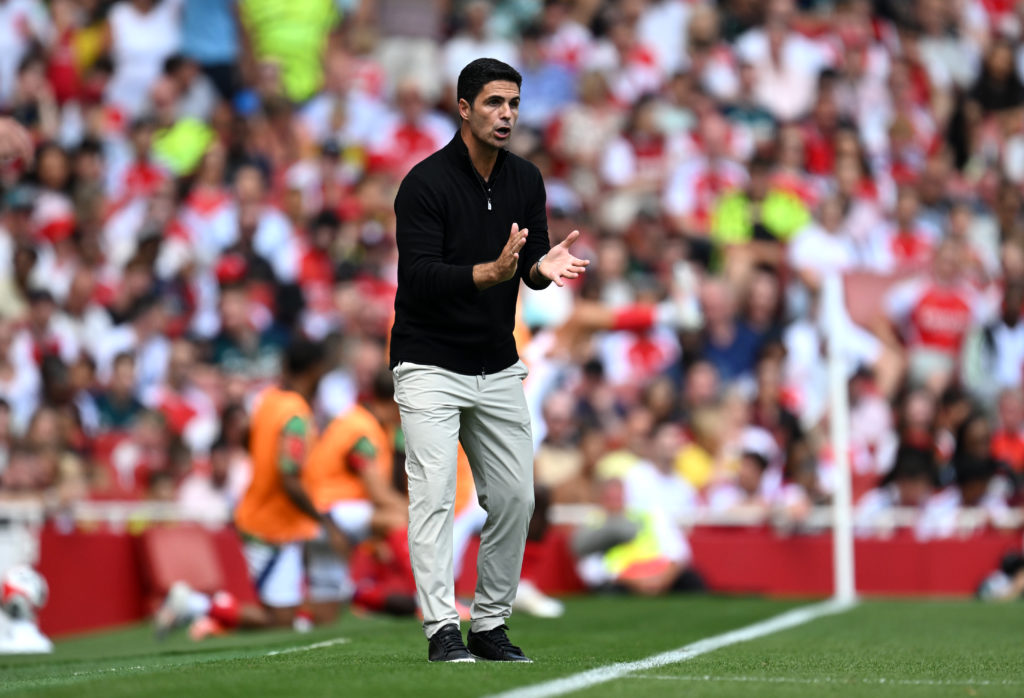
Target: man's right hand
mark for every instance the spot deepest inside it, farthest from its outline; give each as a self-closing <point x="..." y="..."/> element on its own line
<point x="504" y="267"/>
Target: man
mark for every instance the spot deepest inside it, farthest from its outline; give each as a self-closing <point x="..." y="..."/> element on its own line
<point x="933" y="313"/>
<point x="276" y="516"/>
<point x="457" y="373"/>
<point x="348" y="476"/>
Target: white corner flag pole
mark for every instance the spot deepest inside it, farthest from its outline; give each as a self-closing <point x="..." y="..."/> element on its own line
<point x="839" y="422"/>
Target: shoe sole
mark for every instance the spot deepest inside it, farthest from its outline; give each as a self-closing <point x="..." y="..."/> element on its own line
<point x="503" y="661"/>
<point x="465" y="660"/>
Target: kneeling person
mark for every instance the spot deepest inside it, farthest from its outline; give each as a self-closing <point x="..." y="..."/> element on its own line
<point x="348" y="475"/>
<point x="276" y="516"/>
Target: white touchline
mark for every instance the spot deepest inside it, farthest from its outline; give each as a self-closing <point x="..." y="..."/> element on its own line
<point x="874" y="681"/>
<point x="593" y="677"/>
<point x="228" y="655"/>
<point x="306" y="648"/>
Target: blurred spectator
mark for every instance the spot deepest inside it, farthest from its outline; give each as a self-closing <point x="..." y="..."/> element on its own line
<point x="210" y="37"/>
<point x="473" y="40"/>
<point x="118" y="405"/>
<point x="702" y="461"/>
<point x="213" y="488"/>
<point x="195" y="92"/>
<point x="143" y="34"/>
<point x="748" y="226"/>
<point x="788" y="63"/>
<point x="635" y="547"/>
<point x="757" y="485"/>
<point x="728" y="343"/>
<point x="935" y="311"/>
<point x="22" y="22"/>
<point x="409" y="135"/>
<point x="1008" y="440"/>
<point x="978" y="482"/>
<point x="287" y="39"/>
<point x="910" y="482"/>
<point x="1001" y="354"/>
<point x="547" y="86"/>
<point x="558" y="462"/>
<point x="694" y="188"/>
<point x="20" y="380"/>
<point x="635" y="164"/>
<point x="408" y="47"/>
<point x="904" y="245"/>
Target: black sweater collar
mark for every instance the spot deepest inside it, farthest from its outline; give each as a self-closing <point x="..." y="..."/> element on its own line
<point x="458" y="151"/>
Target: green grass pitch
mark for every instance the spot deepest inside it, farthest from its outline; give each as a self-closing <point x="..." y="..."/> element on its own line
<point x="880" y="648"/>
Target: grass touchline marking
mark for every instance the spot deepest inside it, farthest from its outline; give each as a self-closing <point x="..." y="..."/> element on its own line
<point x="604" y="674"/>
<point x="306" y="648"/>
<point x="229" y="654"/>
<point x="881" y="681"/>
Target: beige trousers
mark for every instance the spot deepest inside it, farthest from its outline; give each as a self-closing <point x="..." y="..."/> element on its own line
<point x="488" y="415"/>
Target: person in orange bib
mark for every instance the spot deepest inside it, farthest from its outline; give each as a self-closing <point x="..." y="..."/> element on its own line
<point x="348" y="475"/>
<point x="277" y="515"/>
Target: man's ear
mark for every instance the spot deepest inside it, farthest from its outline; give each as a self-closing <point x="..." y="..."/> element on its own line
<point x="464" y="109"/>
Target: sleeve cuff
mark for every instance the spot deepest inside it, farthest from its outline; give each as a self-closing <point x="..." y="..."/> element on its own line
<point x="528" y="277"/>
<point x="464" y="284"/>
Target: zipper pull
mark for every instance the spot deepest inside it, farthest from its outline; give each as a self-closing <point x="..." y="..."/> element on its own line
<point x="488" y="203"/>
<point x="483" y="371"/>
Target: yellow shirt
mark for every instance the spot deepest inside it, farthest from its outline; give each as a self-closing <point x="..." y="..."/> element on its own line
<point x="695" y="465"/>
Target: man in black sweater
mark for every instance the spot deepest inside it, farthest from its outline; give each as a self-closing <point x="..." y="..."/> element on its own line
<point x="458" y="377"/>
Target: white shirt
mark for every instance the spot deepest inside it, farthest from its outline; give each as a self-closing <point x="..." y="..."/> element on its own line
<point x="360" y="114"/>
<point x="21" y="21"/>
<point x="816" y="249"/>
<point x="140" y="43"/>
<point x="662" y="26"/>
<point x="1008" y="345"/>
<point x="786" y="90"/>
<point x="648" y="490"/>
<point x="726" y="496"/>
<point x="939" y="518"/>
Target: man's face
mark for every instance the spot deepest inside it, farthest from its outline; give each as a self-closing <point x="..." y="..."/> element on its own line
<point x="493" y="113"/>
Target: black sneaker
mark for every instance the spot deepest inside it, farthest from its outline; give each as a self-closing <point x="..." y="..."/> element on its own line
<point x="446" y="646"/>
<point x="495" y="646"/>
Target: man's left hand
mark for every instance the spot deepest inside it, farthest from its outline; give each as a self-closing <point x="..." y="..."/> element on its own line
<point x="559" y="264"/>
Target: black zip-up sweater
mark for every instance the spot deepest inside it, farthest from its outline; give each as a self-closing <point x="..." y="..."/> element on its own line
<point x="448" y="220"/>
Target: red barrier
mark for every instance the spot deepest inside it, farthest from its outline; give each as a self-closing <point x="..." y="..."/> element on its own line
<point x="762" y="561"/>
<point x="96" y="578"/>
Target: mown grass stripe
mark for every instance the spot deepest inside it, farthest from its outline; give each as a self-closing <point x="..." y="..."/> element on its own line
<point x="611" y="672"/>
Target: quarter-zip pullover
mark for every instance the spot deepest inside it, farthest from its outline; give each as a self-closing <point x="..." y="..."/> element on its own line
<point x="449" y="218"/>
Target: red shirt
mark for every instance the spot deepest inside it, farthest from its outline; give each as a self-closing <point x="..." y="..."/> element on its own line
<point x="1009" y="448"/>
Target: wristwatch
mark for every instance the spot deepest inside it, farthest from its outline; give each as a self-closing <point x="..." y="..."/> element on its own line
<point x="539" y="260"/>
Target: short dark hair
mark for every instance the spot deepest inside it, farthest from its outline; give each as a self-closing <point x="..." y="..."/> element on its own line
<point x="482" y="71"/>
<point x="302" y="355"/>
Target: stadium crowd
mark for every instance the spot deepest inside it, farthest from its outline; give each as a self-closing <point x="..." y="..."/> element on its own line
<point x="213" y="177"/>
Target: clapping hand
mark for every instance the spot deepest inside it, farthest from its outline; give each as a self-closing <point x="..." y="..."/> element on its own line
<point x="504" y="267"/>
<point x="559" y="264"/>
